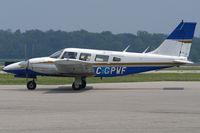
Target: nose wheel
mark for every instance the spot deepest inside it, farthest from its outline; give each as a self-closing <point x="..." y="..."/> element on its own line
<point x="31" y="85"/>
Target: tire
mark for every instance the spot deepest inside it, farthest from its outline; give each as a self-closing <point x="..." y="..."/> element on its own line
<point x="31" y="85"/>
<point x="75" y="87"/>
<point x="83" y="84"/>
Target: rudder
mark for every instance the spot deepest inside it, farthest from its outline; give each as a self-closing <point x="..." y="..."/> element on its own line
<point x="178" y="43"/>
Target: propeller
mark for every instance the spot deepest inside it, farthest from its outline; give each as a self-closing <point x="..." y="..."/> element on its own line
<point x="26" y="69"/>
<point x="26" y="62"/>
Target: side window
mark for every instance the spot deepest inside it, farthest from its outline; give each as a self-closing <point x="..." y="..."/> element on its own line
<point x="101" y="58"/>
<point x="117" y="59"/>
<point x="70" y="55"/>
<point x="85" y="57"/>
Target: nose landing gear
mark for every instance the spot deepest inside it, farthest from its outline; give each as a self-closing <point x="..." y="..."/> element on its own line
<point x="31" y="85"/>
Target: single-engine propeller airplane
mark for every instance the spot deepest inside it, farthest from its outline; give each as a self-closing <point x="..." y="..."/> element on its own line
<point x="83" y="63"/>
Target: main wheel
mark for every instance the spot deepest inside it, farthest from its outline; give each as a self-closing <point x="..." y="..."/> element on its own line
<point x="83" y="84"/>
<point x="31" y="85"/>
<point x="76" y="87"/>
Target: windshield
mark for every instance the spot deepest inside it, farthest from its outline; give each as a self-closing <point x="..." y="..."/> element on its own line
<point x="56" y="54"/>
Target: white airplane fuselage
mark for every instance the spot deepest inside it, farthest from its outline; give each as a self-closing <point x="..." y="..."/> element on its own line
<point x="82" y="63"/>
<point x="129" y="63"/>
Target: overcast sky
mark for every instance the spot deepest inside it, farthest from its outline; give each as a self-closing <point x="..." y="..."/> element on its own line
<point x="117" y="16"/>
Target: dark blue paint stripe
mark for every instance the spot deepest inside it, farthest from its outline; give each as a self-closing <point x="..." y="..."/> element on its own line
<point x="185" y="30"/>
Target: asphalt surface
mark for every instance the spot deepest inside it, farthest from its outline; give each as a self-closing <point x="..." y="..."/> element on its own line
<point x="145" y="107"/>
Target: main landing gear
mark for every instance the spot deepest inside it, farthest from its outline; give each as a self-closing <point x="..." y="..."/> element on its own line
<point x="31" y="85"/>
<point x="79" y="83"/>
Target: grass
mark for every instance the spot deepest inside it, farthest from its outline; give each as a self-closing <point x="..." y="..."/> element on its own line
<point x="8" y="79"/>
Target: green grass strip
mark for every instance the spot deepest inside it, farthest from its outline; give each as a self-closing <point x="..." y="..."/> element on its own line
<point x="8" y="79"/>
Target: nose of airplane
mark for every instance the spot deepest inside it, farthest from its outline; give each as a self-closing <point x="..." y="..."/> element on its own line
<point x="12" y="67"/>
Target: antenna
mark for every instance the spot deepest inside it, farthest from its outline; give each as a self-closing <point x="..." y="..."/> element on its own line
<point x="182" y="24"/>
<point x="126" y="48"/>
<point x="33" y="50"/>
<point x="25" y="52"/>
<point x="146" y="50"/>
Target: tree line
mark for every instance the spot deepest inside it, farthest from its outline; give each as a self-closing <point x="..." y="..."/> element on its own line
<point x="39" y="43"/>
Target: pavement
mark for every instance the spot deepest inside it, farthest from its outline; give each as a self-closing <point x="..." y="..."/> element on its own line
<point x="142" y="107"/>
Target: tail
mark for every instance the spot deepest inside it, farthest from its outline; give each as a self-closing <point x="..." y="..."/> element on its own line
<point x="178" y="43"/>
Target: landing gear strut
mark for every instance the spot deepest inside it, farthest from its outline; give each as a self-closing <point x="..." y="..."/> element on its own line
<point x="31" y="85"/>
<point x="79" y="83"/>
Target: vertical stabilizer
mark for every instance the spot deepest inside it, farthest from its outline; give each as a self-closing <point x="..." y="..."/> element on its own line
<point x="178" y="43"/>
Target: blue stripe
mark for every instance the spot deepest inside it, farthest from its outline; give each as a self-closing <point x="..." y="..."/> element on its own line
<point x="112" y="71"/>
<point x="185" y="30"/>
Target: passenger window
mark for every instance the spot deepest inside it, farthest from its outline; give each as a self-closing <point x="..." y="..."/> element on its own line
<point x="85" y="57"/>
<point x="101" y="58"/>
<point x="117" y="59"/>
<point x="70" y="55"/>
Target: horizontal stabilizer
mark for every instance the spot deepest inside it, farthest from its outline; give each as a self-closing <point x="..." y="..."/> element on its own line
<point x="183" y="61"/>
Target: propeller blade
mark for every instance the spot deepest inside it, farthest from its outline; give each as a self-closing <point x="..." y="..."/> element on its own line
<point x="26" y="70"/>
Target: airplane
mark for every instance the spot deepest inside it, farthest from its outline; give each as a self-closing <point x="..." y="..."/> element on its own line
<point x="82" y="63"/>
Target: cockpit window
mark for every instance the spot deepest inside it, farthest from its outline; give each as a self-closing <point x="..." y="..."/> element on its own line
<point x="85" y="56"/>
<point x="70" y="55"/>
<point x="56" y="54"/>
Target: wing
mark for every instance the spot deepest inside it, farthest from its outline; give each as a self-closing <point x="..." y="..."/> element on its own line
<point x="74" y="67"/>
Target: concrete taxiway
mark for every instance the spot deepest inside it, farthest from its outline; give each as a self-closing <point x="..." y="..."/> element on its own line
<point x="152" y="107"/>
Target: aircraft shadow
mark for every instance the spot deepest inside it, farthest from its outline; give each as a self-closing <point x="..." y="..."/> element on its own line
<point x="65" y="89"/>
<point x="46" y="90"/>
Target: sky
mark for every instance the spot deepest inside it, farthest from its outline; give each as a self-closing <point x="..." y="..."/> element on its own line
<point x="117" y="16"/>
